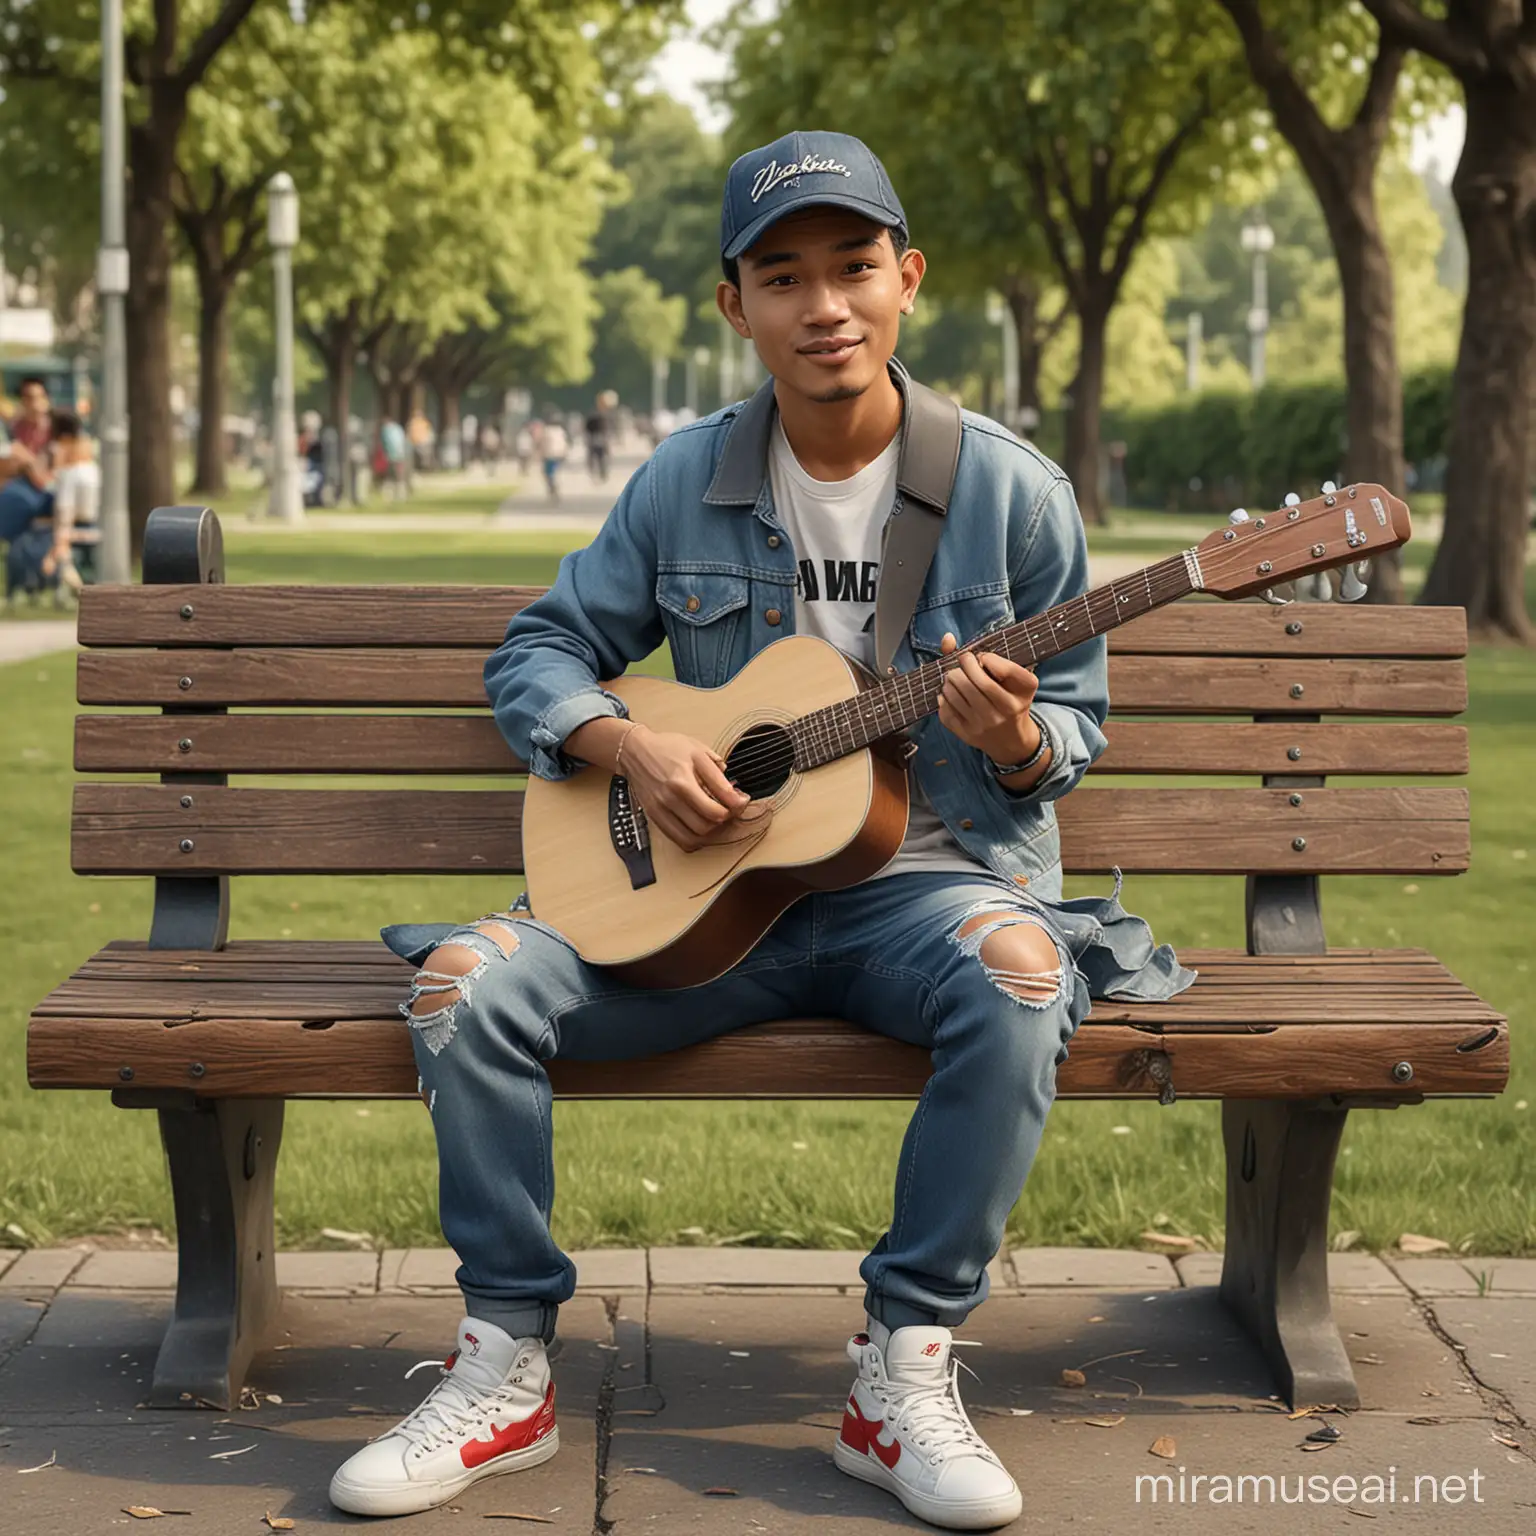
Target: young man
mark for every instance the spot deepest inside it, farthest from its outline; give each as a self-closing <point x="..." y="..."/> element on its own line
<point x="764" y="519"/>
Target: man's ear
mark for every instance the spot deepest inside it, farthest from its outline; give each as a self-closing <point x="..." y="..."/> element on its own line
<point x="728" y="300"/>
<point x="913" y="265"/>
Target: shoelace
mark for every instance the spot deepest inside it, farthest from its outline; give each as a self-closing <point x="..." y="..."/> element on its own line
<point x="931" y="1413"/>
<point x="444" y="1412"/>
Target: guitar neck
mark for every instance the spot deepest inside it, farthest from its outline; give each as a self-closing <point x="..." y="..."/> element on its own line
<point x="851" y="724"/>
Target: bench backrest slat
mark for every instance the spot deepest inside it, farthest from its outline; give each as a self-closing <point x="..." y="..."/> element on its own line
<point x="476" y="617"/>
<point x="454" y="679"/>
<point x="472" y="744"/>
<point x="145" y="829"/>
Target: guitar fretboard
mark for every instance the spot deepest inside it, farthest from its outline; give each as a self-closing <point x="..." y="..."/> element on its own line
<point x="851" y="724"/>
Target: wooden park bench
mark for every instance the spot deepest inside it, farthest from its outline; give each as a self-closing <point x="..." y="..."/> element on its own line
<point x="215" y="1036"/>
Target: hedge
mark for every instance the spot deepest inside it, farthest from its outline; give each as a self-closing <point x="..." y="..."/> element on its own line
<point x="1217" y="450"/>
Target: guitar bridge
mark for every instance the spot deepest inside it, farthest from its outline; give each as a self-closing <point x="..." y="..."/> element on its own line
<point x="630" y="833"/>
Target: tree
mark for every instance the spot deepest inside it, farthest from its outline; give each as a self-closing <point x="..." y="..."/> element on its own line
<point x="1296" y="57"/>
<point x="1490" y="47"/>
<point x="1104" y="124"/>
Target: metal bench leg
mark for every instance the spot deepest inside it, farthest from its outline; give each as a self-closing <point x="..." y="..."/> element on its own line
<point x="1280" y="1156"/>
<point x="223" y="1156"/>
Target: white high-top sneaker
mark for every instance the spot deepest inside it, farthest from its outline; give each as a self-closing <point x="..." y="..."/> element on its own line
<point x="905" y="1430"/>
<point x="493" y="1412"/>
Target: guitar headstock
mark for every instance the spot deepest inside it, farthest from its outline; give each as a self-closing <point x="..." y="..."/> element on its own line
<point x="1336" y="528"/>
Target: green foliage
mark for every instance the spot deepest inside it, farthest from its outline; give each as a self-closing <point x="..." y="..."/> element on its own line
<point x="637" y="323"/>
<point x="1223" y="448"/>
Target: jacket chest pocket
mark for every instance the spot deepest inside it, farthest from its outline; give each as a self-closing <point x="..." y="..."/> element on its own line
<point x="702" y="612"/>
<point x="966" y="617"/>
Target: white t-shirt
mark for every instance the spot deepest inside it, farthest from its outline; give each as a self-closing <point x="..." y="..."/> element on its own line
<point x="835" y="528"/>
<point x="77" y="495"/>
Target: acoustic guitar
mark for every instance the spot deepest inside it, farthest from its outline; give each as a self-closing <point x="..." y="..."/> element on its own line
<point x="817" y="741"/>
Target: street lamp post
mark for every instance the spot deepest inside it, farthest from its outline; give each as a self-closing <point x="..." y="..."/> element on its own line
<point x="283" y="500"/>
<point x="661" y="372"/>
<point x="1258" y="240"/>
<point x="698" y="365"/>
<point x="112" y="290"/>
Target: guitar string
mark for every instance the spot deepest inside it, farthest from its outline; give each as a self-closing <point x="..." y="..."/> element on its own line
<point x="823" y="731"/>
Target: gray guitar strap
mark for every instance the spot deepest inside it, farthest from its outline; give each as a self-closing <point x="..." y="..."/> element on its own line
<point x="925" y="476"/>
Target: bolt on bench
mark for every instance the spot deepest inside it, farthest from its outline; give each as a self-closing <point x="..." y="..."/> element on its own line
<point x="215" y="1036"/>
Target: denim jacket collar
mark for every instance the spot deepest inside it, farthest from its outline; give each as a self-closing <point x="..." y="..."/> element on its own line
<point x="742" y="472"/>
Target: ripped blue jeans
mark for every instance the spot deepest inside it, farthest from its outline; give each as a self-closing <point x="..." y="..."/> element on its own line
<point x="955" y="963"/>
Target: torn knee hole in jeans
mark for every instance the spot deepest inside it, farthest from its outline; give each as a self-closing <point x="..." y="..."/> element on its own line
<point x="1009" y="955"/>
<point x="447" y="976"/>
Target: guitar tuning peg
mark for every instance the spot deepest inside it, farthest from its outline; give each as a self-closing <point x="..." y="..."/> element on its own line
<point x="1268" y="596"/>
<point x="1292" y="499"/>
<point x="1237" y="515"/>
<point x="1329" y="487"/>
<point x="1351" y="588"/>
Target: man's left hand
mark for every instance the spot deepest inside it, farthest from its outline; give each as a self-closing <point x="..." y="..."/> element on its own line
<point x="985" y="702"/>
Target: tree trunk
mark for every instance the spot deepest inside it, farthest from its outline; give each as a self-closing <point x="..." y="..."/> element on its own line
<point x="1081" y="460"/>
<point x="151" y="439"/>
<point x="1480" y="563"/>
<point x="213" y="290"/>
<point x="1023" y="295"/>
<point x="340" y="356"/>
<point x="1373" y="385"/>
<point x="449" y="411"/>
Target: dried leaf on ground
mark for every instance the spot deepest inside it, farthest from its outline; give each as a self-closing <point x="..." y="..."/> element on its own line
<point x="1071" y="1378"/>
<point x="645" y="1471"/>
<point x="1312" y="1408"/>
<point x="1367" y="1359"/>
<point x="513" y="1515"/>
<point x="149" y="1512"/>
<point x="42" y="1466"/>
<point x="720" y="1493"/>
<point x="1170" y="1240"/>
<point x="1165" y="1446"/>
<point x="1414" y="1242"/>
<point x="1514" y="1445"/>
<point x="1426" y="1418"/>
<point x="1099" y="1421"/>
<point x="1365" y="1514"/>
<point x="340" y="1235"/>
<point x="278" y="1522"/>
<point x="225" y="1455"/>
<point x="1315" y="1445"/>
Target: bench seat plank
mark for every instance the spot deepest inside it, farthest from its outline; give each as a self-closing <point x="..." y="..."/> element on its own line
<point x="455" y="679"/>
<point x="145" y="829"/>
<point x="473" y="744"/>
<point x="798" y="1059"/>
<point x="477" y="616"/>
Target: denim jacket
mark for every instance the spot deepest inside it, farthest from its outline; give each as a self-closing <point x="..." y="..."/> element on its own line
<point x="693" y="553"/>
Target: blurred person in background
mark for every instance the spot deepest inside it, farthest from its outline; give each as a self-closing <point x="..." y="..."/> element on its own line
<point x="554" y="445"/>
<point x="599" y="430"/>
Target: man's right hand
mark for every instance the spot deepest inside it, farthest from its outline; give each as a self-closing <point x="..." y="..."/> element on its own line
<point x="681" y="785"/>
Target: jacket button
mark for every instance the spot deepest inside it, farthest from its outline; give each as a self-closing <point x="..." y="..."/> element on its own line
<point x="693" y="605"/>
<point x="773" y="615"/>
<point x="774" y="541"/>
<point x="967" y="824"/>
<point x="1021" y="879"/>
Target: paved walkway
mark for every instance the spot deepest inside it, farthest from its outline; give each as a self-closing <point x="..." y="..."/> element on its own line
<point x="700" y="1390"/>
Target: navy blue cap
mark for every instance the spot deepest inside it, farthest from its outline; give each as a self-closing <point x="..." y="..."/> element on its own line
<point x="804" y="170"/>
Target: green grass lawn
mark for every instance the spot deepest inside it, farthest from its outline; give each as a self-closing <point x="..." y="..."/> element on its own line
<point x="786" y="1174"/>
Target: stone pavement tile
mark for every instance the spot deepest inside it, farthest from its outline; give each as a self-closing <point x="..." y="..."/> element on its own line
<point x="123" y="1270"/>
<point x="1095" y="1268"/>
<point x="8" y="1256"/>
<point x="1346" y="1272"/>
<point x="429" y="1269"/>
<point x="609" y="1269"/>
<point x="390" y="1263"/>
<point x="1500" y="1338"/>
<point x="1198" y="1268"/>
<point x="1433" y="1277"/>
<point x="42" y="1269"/>
<point x="675" y="1269"/>
<point x="338" y="1365"/>
<point x="763" y="1423"/>
<point x="1400" y="1365"/>
<point x="1507" y="1277"/>
<point x="348" y="1273"/>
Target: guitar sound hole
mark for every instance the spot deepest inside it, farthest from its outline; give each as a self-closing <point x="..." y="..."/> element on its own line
<point x="761" y="761"/>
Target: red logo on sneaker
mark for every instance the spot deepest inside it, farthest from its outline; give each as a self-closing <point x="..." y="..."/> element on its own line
<point x="474" y="1345"/>
<point x="932" y="1349"/>
<point x="863" y="1435"/>
<point x="515" y="1437"/>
